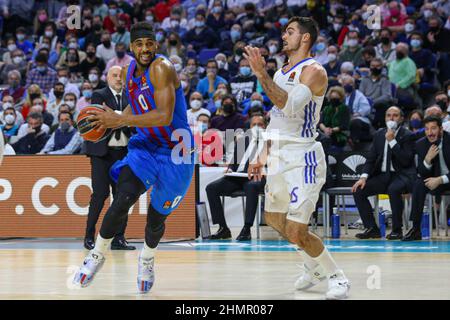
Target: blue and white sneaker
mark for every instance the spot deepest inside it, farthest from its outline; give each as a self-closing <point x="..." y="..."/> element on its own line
<point x="91" y="265"/>
<point x="146" y="274"/>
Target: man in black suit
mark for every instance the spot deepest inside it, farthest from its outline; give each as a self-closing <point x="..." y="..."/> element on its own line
<point x="227" y="185"/>
<point x="389" y="169"/>
<point x="103" y="155"/>
<point x="433" y="164"/>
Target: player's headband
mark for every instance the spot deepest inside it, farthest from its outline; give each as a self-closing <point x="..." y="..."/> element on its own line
<point x="142" y="33"/>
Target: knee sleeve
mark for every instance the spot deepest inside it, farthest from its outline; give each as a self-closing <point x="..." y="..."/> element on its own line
<point x="155" y="227"/>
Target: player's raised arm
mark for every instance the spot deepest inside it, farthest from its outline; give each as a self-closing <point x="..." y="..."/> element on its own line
<point x="277" y="95"/>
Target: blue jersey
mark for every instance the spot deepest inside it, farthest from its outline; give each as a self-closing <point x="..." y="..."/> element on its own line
<point x="140" y="93"/>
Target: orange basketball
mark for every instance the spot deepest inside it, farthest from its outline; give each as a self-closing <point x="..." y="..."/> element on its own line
<point x="85" y="127"/>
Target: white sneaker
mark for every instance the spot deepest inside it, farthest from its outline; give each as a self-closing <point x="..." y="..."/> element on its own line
<point x="338" y="286"/>
<point x="310" y="277"/>
<point x="91" y="265"/>
<point x="146" y="274"/>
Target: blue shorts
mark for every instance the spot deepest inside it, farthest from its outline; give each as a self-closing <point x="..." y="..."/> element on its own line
<point x="154" y="167"/>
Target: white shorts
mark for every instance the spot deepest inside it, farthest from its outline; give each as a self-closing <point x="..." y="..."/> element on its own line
<point x="295" y="175"/>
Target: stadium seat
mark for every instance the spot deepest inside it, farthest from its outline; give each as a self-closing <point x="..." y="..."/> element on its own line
<point x="206" y="54"/>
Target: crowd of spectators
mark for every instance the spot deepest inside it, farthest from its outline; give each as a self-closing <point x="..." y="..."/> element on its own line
<point x="48" y="71"/>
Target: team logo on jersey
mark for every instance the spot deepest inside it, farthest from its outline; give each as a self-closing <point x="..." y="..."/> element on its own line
<point x="291" y="77"/>
<point x="167" y="204"/>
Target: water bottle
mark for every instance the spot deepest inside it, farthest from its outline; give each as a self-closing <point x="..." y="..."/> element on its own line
<point x="382" y="222"/>
<point x="335" y="224"/>
<point x="425" y="225"/>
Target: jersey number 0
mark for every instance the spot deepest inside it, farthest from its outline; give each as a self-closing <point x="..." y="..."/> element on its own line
<point x="142" y="102"/>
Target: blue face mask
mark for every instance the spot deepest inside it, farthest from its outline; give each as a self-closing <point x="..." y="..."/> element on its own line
<point x="283" y="21"/>
<point x="320" y="47"/>
<point x="203" y="127"/>
<point x="245" y="71"/>
<point x="218" y="103"/>
<point x="249" y="35"/>
<point x="348" y="88"/>
<point x="159" y="37"/>
<point x="415" y="123"/>
<point x="41" y="69"/>
<point x="199" y="24"/>
<point x="87" y="94"/>
<point x="415" y="43"/>
<point x="235" y="35"/>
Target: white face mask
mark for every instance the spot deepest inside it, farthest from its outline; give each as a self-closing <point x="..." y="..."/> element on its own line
<point x="196" y="104"/>
<point x="331" y="57"/>
<point x="9" y="119"/>
<point x="17" y="60"/>
<point x="178" y="67"/>
<point x="49" y="34"/>
<point x="38" y="108"/>
<point x="63" y="80"/>
<point x="12" y="47"/>
<point x="71" y="104"/>
<point x="6" y="105"/>
<point x="184" y="84"/>
<point x="220" y="64"/>
<point x="93" y="77"/>
<point x="73" y="45"/>
<point x="273" y="49"/>
<point x="352" y="43"/>
<point x="409" y="27"/>
<point x="391" y="124"/>
<point x="257" y="132"/>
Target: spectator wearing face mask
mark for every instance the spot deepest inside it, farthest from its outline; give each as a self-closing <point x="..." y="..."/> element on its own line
<point x="415" y="124"/>
<point x="201" y="36"/>
<point x="396" y="19"/>
<point x="335" y="120"/>
<point x="353" y="50"/>
<point x="107" y="49"/>
<point x="15" y="89"/>
<point x="185" y="85"/>
<point x="216" y="20"/>
<point x="8" y="101"/>
<point x="230" y="118"/>
<point x="222" y="64"/>
<point x="111" y="21"/>
<point x="11" y="47"/>
<point x="175" y="23"/>
<point x="91" y="61"/>
<point x="45" y="46"/>
<point x="38" y="107"/>
<point x="122" y="35"/>
<point x="208" y="142"/>
<point x="64" y="77"/>
<point x="54" y="104"/>
<point x="34" y="137"/>
<point x="196" y="104"/>
<point x="256" y="100"/>
<point x="244" y="83"/>
<point x="173" y="46"/>
<point x="86" y="99"/>
<point x="66" y="139"/>
<point x="95" y="37"/>
<point x="320" y="50"/>
<point x="94" y="79"/>
<point x="207" y="85"/>
<point x="177" y="63"/>
<point x="50" y="32"/>
<point x="122" y="58"/>
<point x="72" y="54"/>
<point x="22" y="43"/>
<point x="42" y="75"/>
<point x="18" y="63"/>
<point x="9" y="127"/>
<point x="70" y="99"/>
<point x="386" y="48"/>
<point x="33" y="92"/>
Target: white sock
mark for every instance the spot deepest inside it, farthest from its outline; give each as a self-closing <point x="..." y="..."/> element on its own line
<point x="147" y="252"/>
<point x="327" y="262"/>
<point x="309" y="262"/>
<point x="102" y="245"/>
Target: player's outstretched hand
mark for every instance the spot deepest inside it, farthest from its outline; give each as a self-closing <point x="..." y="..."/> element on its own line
<point x="105" y="119"/>
<point x="255" y="59"/>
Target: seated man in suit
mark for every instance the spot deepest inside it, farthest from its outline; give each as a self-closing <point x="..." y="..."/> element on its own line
<point x="389" y="169"/>
<point x="227" y="185"/>
<point x="433" y="152"/>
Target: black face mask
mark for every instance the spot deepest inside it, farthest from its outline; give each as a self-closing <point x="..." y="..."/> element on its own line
<point x="384" y="40"/>
<point x="37" y="129"/>
<point x="90" y="54"/>
<point x="34" y="96"/>
<point x="400" y="55"/>
<point x="173" y="42"/>
<point x="228" y="108"/>
<point x="271" y="72"/>
<point x="335" y="102"/>
<point x="58" y="94"/>
<point x="120" y="54"/>
<point x="434" y="29"/>
<point x="442" y="105"/>
<point x="239" y="52"/>
<point x="375" y="71"/>
<point x="121" y="29"/>
<point x="107" y="43"/>
<point x="97" y="27"/>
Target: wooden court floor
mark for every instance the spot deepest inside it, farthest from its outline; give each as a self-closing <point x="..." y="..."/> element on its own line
<point x="228" y="270"/>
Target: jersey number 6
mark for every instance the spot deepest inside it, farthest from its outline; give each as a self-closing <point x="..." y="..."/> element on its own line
<point x="142" y="102"/>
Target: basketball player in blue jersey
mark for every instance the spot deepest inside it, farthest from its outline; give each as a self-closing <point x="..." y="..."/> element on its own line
<point x="157" y="109"/>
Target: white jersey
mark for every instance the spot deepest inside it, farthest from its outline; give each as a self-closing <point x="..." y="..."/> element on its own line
<point x="300" y="126"/>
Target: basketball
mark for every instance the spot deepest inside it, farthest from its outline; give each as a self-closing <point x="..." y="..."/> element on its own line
<point x="85" y="127"/>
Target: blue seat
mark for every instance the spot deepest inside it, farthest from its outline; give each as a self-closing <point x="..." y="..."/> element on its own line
<point x="206" y="54"/>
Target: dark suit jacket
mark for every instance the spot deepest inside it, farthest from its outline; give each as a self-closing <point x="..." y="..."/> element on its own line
<point x="422" y="147"/>
<point x="402" y="155"/>
<point x="106" y="96"/>
<point x="239" y="154"/>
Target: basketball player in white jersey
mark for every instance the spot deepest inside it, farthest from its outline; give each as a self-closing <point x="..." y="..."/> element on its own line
<point x="296" y="167"/>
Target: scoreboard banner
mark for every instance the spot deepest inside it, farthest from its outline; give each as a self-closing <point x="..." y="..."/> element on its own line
<point x="48" y="196"/>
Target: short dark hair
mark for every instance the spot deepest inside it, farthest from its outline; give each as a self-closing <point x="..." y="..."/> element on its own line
<point x="306" y="25"/>
<point x="370" y="50"/>
<point x="142" y="28"/>
<point x="65" y="112"/>
<point x="214" y="61"/>
<point x="436" y="119"/>
<point x="231" y="97"/>
<point x="35" y="116"/>
<point x="41" y="57"/>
